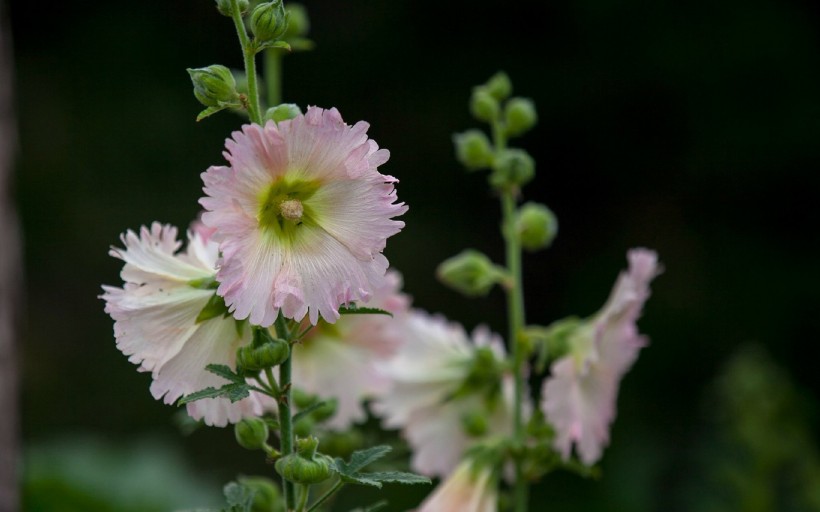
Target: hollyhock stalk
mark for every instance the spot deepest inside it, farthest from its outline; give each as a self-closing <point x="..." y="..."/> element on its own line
<point x="515" y="317"/>
<point x="250" y="63"/>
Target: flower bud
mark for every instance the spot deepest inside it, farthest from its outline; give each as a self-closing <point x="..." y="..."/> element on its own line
<point x="536" y="226"/>
<point x="214" y="86"/>
<point x="512" y="168"/>
<point x="224" y="7"/>
<point x="267" y="497"/>
<point x="483" y="105"/>
<point x="470" y="272"/>
<point x="305" y="466"/>
<point x="282" y="112"/>
<point x="499" y="86"/>
<point x="473" y="149"/>
<point x="304" y="426"/>
<point x="251" y="433"/>
<point x="250" y="359"/>
<point x="326" y="411"/>
<point x="519" y="116"/>
<point x="269" y="21"/>
<point x="298" y="22"/>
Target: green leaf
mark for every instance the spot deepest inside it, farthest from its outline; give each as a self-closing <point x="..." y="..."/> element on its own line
<point x="372" y="508"/>
<point x="362" y="458"/>
<point x="240" y="497"/>
<point x="396" y="477"/>
<point x="352" y="309"/>
<point x="225" y="372"/>
<point x="234" y="392"/>
<point x="307" y="410"/>
<point x="214" y="308"/>
<point x="208" y="112"/>
<point x="273" y="44"/>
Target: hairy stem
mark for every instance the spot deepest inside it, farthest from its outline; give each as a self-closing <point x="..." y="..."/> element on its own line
<point x="250" y="63"/>
<point x="285" y="413"/>
<point x="273" y="76"/>
<point x="326" y="496"/>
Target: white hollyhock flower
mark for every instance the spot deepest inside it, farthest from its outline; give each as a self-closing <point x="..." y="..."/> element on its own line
<point x="467" y="489"/>
<point x="158" y="325"/>
<point x="580" y="395"/>
<point x="427" y="397"/>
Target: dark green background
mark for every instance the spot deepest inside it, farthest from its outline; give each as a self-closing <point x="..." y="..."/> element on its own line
<point x="689" y="127"/>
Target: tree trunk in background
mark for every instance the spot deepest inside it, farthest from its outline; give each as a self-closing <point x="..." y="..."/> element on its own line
<point x="10" y="281"/>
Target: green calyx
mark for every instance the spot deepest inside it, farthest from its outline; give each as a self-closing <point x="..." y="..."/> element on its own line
<point x="284" y="209"/>
<point x="252" y="433"/>
<point x="305" y="466"/>
<point x="264" y="352"/>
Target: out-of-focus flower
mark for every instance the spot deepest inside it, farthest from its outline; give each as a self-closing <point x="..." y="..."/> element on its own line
<point x="438" y="380"/>
<point x="159" y="320"/>
<point x="467" y="489"/>
<point x="340" y="360"/>
<point x="302" y="216"/>
<point x="579" y="397"/>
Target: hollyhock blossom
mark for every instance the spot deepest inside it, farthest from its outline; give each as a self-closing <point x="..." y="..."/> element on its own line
<point x="467" y="489"/>
<point x="427" y="398"/>
<point x="302" y="216"/>
<point x="156" y="319"/>
<point x="580" y="395"/>
<point x="340" y="360"/>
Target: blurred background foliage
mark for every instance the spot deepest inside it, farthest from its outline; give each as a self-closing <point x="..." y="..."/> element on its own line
<point x="689" y="127"/>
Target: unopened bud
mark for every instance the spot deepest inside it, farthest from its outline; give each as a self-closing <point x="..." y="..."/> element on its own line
<point x="536" y="226"/>
<point x="499" y="86"/>
<point x="474" y="423"/>
<point x="519" y="116"/>
<point x="282" y="112"/>
<point x="470" y="272"/>
<point x="214" y="86"/>
<point x="305" y="466"/>
<point x="483" y="105"/>
<point x="512" y="168"/>
<point x="269" y="21"/>
<point x="251" y="433"/>
<point x="473" y="149"/>
<point x="266" y="497"/>
<point x="224" y="7"/>
<point x="264" y="352"/>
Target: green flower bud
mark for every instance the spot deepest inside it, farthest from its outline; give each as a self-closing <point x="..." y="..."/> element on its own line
<point x="269" y="21"/>
<point x="342" y="444"/>
<point x="519" y="116"/>
<point x="251" y="360"/>
<point x="224" y="7"/>
<point x="302" y="399"/>
<point x="305" y="466"/>
<point x="214" y="86"/>
<point x="251" y="433"/>
<point x="473" y="149"/>
<point x="304" y="426"/>
<point x="475" y="423"/>
<point x="512" y="168"/>
<point x="536" y="226"/>
<point x="483" y="105"/>
<point x="267" y="497"/>
<point x="470" y="272"/>
<point x="298" y="22"/>
<point x="282" y="112"/>
<point x="499" y="86"/>
<point x="326" y="411"/>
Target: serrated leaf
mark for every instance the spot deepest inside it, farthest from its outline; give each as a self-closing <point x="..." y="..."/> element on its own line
<point x="234" y="392"/>
<point x="360" y="459"/>
<point x="353" y="309"/>
<point x="307" y="410"/>
<point x="396" y="477"/>
<point x="225" y="372"/>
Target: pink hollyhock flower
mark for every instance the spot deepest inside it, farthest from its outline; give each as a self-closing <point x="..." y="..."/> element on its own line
<point x="426" y="397"/>
<point x="579" y="397"/>
<point x="340" y="360"/>
<point x="302" y="216"/>
<point x="156" y="319"/>
<point x="468" y="489"/>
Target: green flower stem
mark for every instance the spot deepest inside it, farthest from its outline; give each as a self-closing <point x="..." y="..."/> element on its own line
<point x="285" y="414"/>
<point x="250" y="63"/>
<point x="326" y="496"/>
<point x="304" y="493"/>
<point x="515" y="314"/>
<point x="273" y="76"/>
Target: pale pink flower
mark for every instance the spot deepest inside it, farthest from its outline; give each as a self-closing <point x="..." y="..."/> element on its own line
<point x="340" y="360"/>
<point x="155" y="315"/>
<point x="579" y="397"/>
<point x="302" y="216"/>
<point x="467" y="489"/>
<point x="432" y="364"/>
